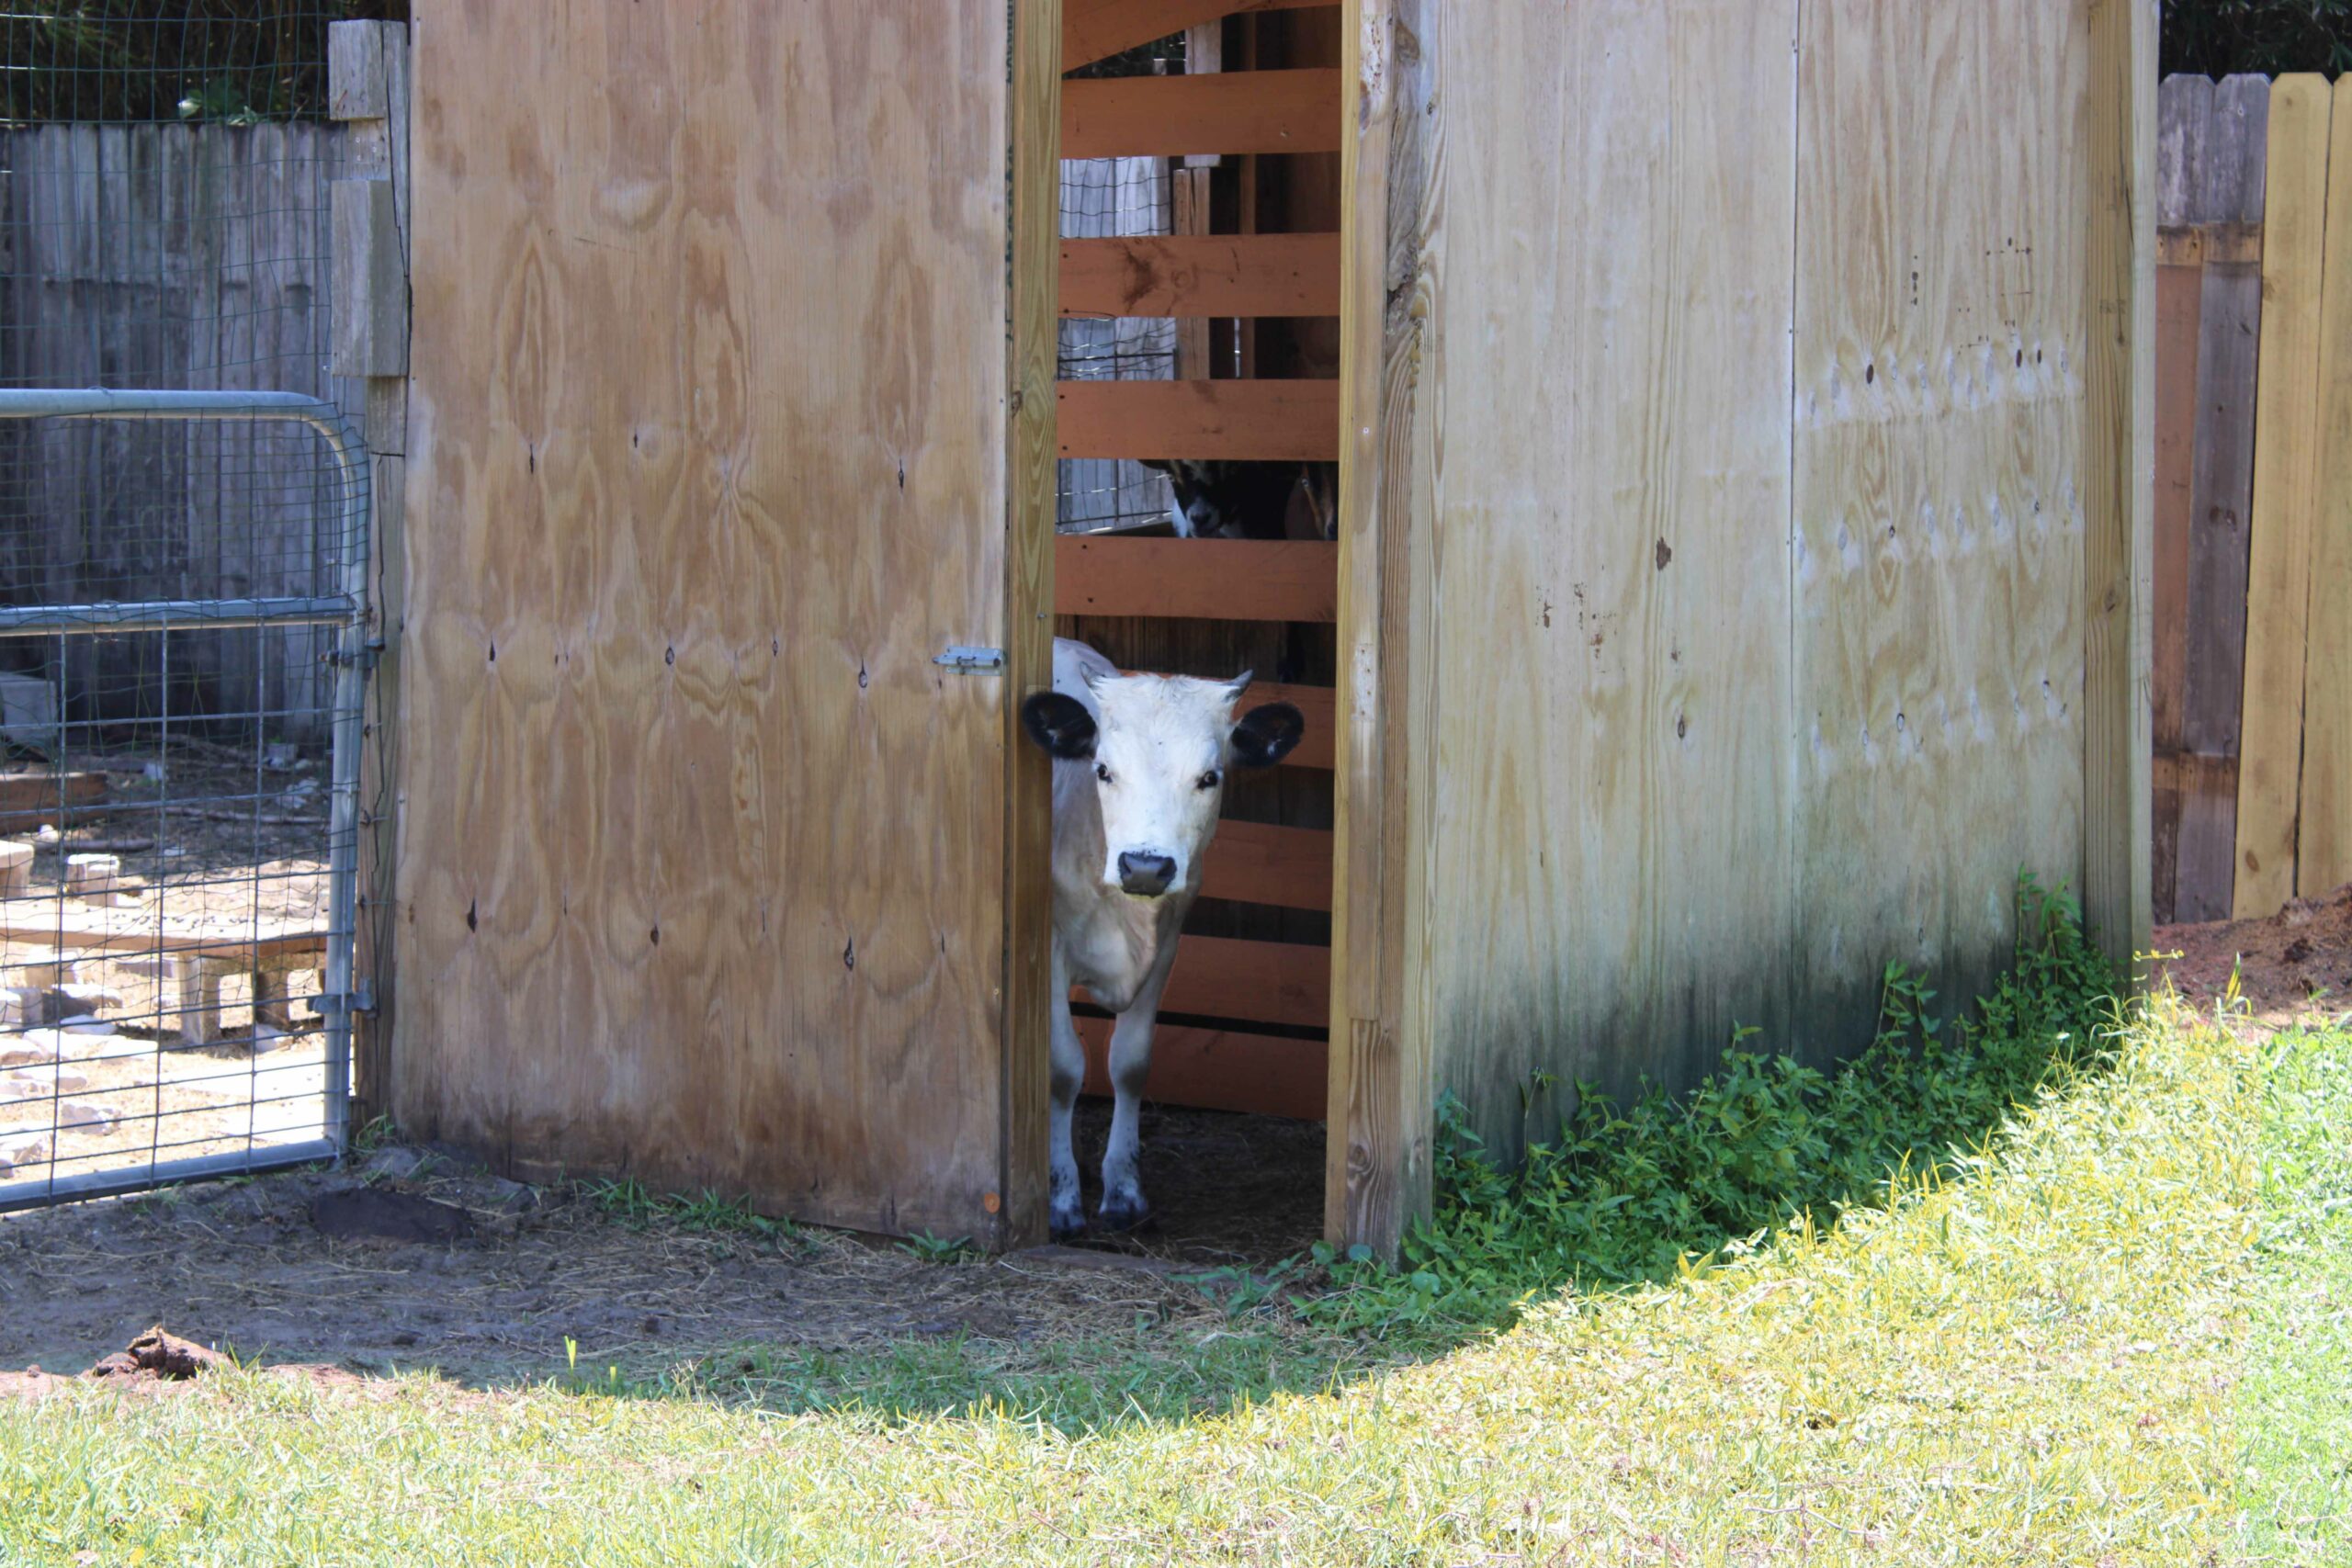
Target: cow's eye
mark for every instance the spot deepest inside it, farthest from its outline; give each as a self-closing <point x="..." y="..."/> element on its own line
<point x="1102" y="772"/>
<point x="1211" y="778"/>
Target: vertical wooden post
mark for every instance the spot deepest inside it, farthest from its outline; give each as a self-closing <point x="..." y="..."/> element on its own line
<point x="1189" y="199"/>
<point x="368" y="90"/>
<point x="1376" y="1179"/>
<point x="2119" y="475"/>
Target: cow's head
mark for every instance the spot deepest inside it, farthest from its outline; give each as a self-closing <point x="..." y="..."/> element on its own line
<point x="1159" y="753"/>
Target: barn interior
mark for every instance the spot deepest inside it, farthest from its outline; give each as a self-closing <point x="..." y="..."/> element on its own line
<point x="1199" y="301"/>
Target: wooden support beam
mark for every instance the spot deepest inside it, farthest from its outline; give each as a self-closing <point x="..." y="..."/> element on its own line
<point x="371" y="316"/>
<point x="1240" y="111"/>
<point x="1097" y="29"/>
<point x="1254" y="863"/>
<point x="1195" y="580"/>
<point x="1206" y="274"/>
<point x="2323" y="834"/>
<point x="2285" y="496"/>
<point x="1237" y="421"/>
<point x="1255" y="982"/>
<point x="1220" y="1069"/>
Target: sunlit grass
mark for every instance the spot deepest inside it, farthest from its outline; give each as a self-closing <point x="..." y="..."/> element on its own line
<point x="2034" y="1361"/>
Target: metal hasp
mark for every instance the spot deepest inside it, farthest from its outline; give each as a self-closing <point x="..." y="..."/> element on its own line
<point x="973" y="661"/>
<point x="347" y="610"/>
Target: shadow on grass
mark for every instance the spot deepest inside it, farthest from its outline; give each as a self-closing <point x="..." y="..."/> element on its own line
<point x="1625" y="1194"/>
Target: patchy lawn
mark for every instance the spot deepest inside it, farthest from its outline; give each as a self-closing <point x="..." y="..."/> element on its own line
<point x="2035" y="1362"/>
<point x="2296" y="1403"/>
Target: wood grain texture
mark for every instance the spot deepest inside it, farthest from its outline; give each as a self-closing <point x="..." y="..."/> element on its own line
<point x="2286" y="471"/>
<point x="1228" y="580"/>
<point x="1237" y="420"/>
<point x="2323" y="844"/>
<point x="1203" y="274"/>
<point x="1239" y="111"/>
<point x="2184" y="111"/>
<point x="1220" y="1069"/>
<point x="2229" y="198"/>
<point x="1031" y="482"/>
<point x="2118" y="466"/>
<point x="1255" y="863"/>
<point x="1940" y="343"/>
<point x="1261" y="982"/>
<point x="706" y="878"/>
<point x="1605" y="853"/>
<point x="1096" y="30"/>
<point x="1376" y="1171"/>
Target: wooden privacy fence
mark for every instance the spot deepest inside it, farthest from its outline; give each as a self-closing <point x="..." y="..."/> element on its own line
<point x="147" y="256"/>
<point x="2252" y="677"/>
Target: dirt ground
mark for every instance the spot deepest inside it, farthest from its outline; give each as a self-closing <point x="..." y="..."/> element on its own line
<point x="2295" y="964"/>
<point x="411" y="1258"/>
<point x="97" y="1075"/>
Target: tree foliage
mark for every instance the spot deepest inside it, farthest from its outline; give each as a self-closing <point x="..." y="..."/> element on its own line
<point x="119" y="60"/>
<point x="2270" y="38"/>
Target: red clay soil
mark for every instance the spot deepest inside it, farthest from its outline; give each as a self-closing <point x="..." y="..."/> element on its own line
<point x="2293" y="966"/>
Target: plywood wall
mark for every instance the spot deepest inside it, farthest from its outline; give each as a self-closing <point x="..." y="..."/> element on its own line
<point x="703" y="872"/>
<point x="1730" y="425"/>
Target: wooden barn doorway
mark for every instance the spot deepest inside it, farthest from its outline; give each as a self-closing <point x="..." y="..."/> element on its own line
<point x="1199" y="302"/>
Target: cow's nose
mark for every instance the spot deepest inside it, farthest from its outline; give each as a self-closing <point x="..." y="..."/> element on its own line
<point x="1149" y="876"/>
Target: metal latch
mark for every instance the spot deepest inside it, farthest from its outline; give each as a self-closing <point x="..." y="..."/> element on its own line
<point x="972" y="661"/>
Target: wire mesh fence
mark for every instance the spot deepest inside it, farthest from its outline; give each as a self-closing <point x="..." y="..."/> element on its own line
<point x="179" y="632"/>
<point x="1105" y="198"/>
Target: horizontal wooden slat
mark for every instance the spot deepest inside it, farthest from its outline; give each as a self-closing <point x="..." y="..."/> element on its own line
<point x="1253" y="862"/>
<point x="1197" y="579"/>
<point x="1097" y="29"/>
<point x="1221" y="1069"/>
<point x="1202" y="275"/>
<point x="1255" y="982"/>
<point x="1269" y="422"/>
<point x="1239" y="111"/>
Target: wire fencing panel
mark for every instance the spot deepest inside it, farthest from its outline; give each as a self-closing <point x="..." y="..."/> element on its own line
<point x="175" y="815"/>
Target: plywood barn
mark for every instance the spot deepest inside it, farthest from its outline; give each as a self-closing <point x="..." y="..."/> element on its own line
<point x="1743" y="414"/>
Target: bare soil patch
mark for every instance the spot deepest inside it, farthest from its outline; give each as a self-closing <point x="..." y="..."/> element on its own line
<point x="2294" y="966"/>
<point x="411" y="1259"/>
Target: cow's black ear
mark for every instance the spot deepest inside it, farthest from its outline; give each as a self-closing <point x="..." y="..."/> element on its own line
<point x="1060" y="724"/>
<point x="1267" y="734"/>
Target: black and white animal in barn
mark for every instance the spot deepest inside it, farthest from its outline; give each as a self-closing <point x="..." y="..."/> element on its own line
<point x="1252" y="501"/>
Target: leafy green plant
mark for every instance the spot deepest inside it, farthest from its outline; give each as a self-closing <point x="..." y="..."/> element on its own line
<point x="937" y="1249"/>
<point x="1632" y="1192"/>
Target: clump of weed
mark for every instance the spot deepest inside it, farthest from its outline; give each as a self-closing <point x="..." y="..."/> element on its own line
<point x="1629" y="1193"/>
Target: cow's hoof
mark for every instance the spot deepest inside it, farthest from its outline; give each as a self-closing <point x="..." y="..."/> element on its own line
<point x="1069" y="1225"/>
<point x="1124" y="1212"/>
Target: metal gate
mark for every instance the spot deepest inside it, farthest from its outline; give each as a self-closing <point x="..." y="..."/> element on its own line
<point x="179" y="811"/>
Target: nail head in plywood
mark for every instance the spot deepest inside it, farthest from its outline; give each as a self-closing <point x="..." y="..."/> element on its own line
<point x="2286" y="467"/>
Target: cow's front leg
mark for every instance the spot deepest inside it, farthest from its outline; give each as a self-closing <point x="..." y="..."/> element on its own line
<point x="1067" y="1210"/>
<point x="1123" y="1203"/>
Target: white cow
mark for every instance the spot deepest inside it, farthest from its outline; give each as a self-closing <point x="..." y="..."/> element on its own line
<point x="1139" y="764"/>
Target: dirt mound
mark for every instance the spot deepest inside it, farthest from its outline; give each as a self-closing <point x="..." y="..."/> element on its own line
<point x="155" y="1362"/>
<point x="2297" y="964"/>
<point x="157" y="1354"/>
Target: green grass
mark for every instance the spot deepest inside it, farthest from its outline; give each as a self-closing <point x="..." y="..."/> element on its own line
<point x="2296" y="1403"/>
<point x="2030" y="1354"/>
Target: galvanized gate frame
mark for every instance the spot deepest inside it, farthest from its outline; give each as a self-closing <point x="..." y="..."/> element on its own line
<point x="347" y="610"/>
